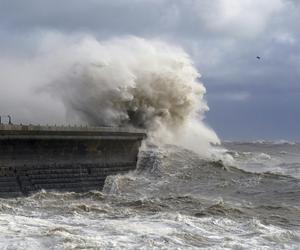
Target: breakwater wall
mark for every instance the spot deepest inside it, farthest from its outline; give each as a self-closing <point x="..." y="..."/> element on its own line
<point x="63" y="158"/>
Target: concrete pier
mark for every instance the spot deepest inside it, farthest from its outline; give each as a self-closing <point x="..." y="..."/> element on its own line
<point x="63" y="158"/>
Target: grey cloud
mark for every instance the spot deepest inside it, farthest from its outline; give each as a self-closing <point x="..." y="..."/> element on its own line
<point x="217" y="18"/>
<point x="223" y="37"/>
<point x="98" y="16"/>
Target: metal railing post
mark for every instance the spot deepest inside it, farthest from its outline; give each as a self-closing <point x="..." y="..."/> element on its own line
<point x="9" y="119"/>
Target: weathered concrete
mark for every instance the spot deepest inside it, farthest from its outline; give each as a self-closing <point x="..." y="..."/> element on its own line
<point x="63" y="158"/>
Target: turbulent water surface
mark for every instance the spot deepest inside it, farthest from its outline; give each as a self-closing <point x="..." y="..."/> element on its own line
<point x="174" y="200"/>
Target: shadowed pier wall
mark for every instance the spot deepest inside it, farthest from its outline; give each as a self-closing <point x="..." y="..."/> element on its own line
<point x="63" y="158"/>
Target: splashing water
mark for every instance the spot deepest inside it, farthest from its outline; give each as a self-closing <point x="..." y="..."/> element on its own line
<point x="134" y="82"/>
<point x="175" y="199"/>
<point x="127" y="81"/>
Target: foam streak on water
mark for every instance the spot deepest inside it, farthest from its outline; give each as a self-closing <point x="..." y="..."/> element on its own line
<point x="174" y="200"/>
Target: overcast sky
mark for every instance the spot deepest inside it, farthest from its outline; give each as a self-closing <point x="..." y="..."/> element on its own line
<point x="248" y="98"/>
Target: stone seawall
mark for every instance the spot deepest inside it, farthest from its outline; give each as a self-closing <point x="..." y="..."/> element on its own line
<point x="63" y="158"/>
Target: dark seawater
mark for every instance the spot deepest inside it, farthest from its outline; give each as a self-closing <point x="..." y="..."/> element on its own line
<point x="174" y="200"/>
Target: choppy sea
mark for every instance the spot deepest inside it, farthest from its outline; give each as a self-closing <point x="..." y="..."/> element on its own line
<point x="174" y="200"/>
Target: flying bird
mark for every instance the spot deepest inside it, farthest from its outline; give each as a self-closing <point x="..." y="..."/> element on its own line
<point x="258" y="57"/>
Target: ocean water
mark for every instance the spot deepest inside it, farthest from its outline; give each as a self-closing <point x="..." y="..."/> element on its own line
<point x="174" y="200"/>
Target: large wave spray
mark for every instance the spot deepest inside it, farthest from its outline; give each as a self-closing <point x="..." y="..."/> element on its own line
<point x="118" y="82"/>
<point x="135" y="82"/>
